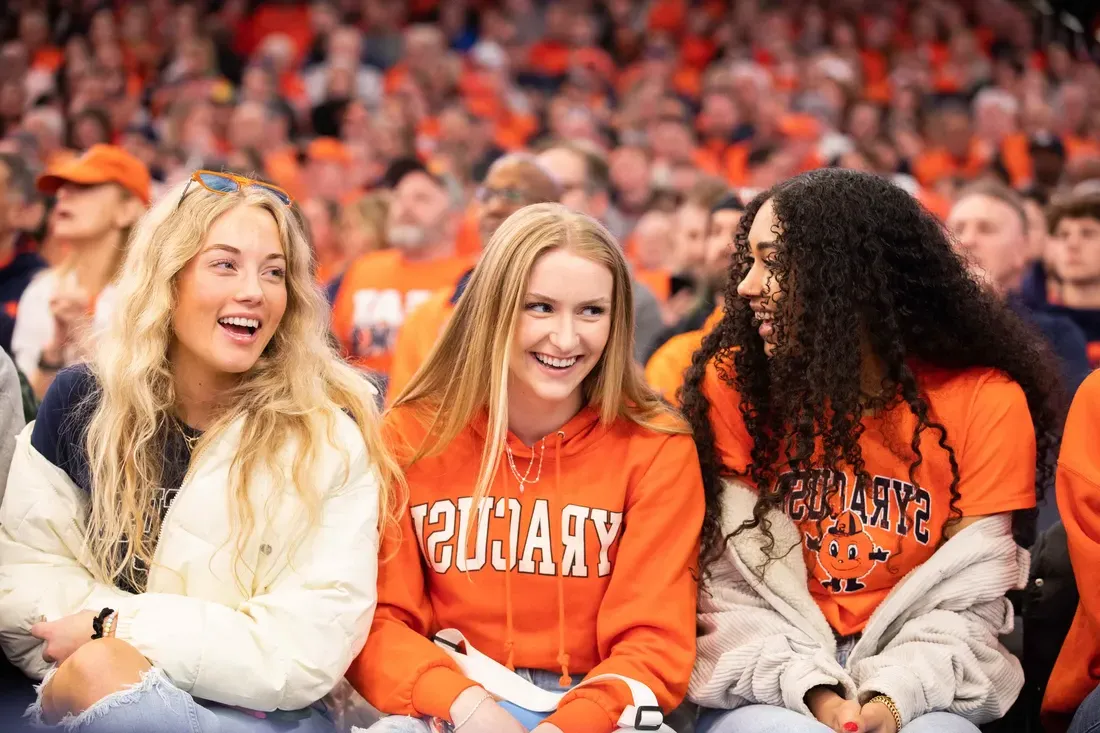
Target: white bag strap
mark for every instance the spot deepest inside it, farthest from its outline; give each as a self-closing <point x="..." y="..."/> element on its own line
<point x="504" y="684"/>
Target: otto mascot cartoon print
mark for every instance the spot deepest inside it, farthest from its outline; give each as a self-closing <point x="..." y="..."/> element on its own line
<point x="846" y="553"/>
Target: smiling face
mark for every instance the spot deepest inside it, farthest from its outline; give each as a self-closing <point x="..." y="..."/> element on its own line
<point x="847" y="557"/>
<point x="231" y="296"/>
<point x="563" y="328"/>
<point x="760" y="286"/>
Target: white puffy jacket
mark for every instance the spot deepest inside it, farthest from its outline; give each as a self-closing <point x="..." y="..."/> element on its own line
<point x="282" y="641"/>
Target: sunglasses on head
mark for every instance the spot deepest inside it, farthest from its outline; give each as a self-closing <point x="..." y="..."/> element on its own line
<point x="229" y="183"/>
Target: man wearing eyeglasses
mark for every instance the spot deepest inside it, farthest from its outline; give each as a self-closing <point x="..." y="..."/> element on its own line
<point x="512" y="182"/>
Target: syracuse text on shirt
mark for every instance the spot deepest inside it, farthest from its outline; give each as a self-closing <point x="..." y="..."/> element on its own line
<point x="450" y="522"/>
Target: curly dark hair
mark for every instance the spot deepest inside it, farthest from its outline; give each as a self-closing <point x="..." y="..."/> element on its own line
<point x="869" y="268"/>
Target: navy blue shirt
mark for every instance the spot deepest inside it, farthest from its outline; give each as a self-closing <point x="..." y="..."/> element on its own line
<point x="61" y="431"/>
<point x="17" y="274"/>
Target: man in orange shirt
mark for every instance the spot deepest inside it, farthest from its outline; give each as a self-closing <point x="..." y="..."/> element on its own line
<point x="380" y="288"/>
<point x="512" y="182"/>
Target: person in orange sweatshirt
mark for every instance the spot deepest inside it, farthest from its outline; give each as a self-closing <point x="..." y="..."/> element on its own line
<point x="1072" y="698"/>
<point x="372" y="298"/>
<point x="512" y="182"/>
<point x="554" y="509"/>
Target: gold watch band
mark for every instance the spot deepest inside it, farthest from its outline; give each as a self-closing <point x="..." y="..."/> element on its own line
<point x="889" y="703"/>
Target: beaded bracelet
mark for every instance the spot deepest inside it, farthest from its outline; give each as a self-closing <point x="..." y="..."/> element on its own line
<point x="109" y="625"/>
<point x="97" y="622"/>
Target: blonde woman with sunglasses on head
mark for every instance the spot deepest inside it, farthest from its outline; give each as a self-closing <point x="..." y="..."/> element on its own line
<point x="205" y="498"/>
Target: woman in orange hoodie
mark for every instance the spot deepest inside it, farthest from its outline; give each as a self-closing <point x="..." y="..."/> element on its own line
<point x="588" y="497"/>
<point x="1072" y="697"/>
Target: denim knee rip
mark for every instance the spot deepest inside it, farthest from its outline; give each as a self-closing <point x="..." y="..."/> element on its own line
<point x="151" y="680"/>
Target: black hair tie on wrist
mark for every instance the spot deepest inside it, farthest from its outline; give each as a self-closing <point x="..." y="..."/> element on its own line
<point x="97" y="622"/>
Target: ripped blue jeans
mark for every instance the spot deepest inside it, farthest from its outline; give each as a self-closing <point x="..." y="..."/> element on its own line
<point x="528" y="719"/>
<point x="155" y="704"/>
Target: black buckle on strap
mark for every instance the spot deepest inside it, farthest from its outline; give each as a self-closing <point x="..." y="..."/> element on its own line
<point x="642" y="709"/>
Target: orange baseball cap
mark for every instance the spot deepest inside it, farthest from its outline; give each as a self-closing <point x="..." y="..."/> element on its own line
<point x="100" y="164"/>
<point x="329" y="150"/>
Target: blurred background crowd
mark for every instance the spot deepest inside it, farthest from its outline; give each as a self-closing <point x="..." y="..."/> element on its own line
<point x="667" y="107"/>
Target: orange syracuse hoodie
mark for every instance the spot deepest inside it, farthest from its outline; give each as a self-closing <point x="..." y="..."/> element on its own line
<point x="1077" y="671"/>
<point x="588" y="569"/>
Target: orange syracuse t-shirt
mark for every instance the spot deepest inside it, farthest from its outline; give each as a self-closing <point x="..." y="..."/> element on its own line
<point x="416" y="338"/>
<point x="869" y="540"/>
<point x="378" y="290"/>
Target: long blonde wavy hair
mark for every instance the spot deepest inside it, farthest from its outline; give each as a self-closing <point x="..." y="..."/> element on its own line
<point x="452" y="386"/>
<point x="291" y="396"/>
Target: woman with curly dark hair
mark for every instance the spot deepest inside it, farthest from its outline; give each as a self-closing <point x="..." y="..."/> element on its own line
<point x="875" y="430"/>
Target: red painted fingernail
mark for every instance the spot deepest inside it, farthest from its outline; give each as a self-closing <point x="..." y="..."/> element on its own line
<point x="851" y="727"/>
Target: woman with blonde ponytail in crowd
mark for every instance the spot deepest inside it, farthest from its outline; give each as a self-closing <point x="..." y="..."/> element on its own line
<point x="574" y="573"/>
<point x="193" y="529"/>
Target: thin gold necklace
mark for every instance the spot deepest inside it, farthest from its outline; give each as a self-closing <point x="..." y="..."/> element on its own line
<point x="191" y="441"/>
<point x="524" y="479"/>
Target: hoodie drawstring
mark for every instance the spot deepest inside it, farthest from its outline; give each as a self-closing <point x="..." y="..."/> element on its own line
<point x="563" y="657"/>
<point x="509" y="634"/>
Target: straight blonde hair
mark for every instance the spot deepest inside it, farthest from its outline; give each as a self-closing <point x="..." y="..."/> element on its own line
<point x="452" y="386"/>
<point x="291" y="396"/>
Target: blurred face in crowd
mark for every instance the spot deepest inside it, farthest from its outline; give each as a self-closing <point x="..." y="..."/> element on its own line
<point x="863" y="122"/>
<point x="9" y="205"/>
<point x="33" y="28"/>
<point x="691" y="234"/>
<point x="509" y="187"/>
<point x="329" y="179"/>
<point x="653" y="241"/>
<point x="357" y="235"/>
<point x="1073" y="104"/>
<point x="564" y="327"/>
<point x="246" y="126"/>
<point x="672" y="141"/>
<point x="231" y="296"/>
<point x="723" y="225"/>
<point x="419" y="215"/>
<point x="570" y="171"/>
<point x="317" y="213"/>
<point x="993" y="237"/>
<point x="89" y="213"/>
<point x="719" y="115"/>
<point x="1077" y="250"/>
<point x="630" y="177"/>
<point x="993" y="120"/>
<point x="956" y="132"/>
